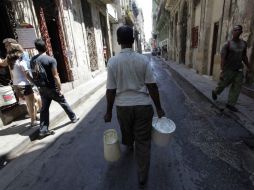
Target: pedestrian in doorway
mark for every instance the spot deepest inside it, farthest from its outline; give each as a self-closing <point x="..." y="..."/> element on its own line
<point x="51" y="90"/>
<point x="130" y="81"/>
<point x="233" y="55"/>
<point x="20" y="76"/>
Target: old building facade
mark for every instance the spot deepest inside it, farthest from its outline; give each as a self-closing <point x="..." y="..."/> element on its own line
<point x="161" y="27"/>
<point x="198" y="29"/>
<point x="76" y="33"/>
<point x="128" y="14"/>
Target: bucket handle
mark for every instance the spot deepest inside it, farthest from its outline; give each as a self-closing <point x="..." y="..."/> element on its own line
<point x="158" y="119"/>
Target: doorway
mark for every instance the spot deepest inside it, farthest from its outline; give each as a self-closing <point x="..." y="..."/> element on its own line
<point x="183" y="33"/>
<point x="91" y="41"/>
<point x="5" y="32"/>
<point x="214" y="45"/>
<point x="51" y="23"/>
<point x="105" y="38"/>
<point x="6" y="29"/>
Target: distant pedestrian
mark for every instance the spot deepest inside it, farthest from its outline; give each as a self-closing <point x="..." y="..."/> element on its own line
<point x="45" y="76"/>
<point x="130" y="80"/>
<point x="20" y="75"/>
<point x="159" y="51"/>
<point x="233" y="54"/>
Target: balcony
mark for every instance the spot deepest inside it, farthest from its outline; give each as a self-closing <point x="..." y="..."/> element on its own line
<point x="129" y="17"/>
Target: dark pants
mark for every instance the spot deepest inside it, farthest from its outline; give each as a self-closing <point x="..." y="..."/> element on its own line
<point x="136" y="125"/>
<point x="47" y="95"/>
<point x="233" y="78"/>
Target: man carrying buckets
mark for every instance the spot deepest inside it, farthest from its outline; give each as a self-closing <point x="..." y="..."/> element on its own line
<point x="130" y="81"/>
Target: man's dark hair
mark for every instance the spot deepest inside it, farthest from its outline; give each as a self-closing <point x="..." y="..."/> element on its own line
<point x="125" y="35"/>
<point x="40" y="45"/>
<point x="238" y="27"/>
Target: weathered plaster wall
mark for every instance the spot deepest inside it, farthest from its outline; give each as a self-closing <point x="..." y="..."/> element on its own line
<point x="205" y="14"/>
<point x="76" y="45"/>
<point x="81" y="69"/>
<point x="197" y="16"/>
<point x="98" y="35"/>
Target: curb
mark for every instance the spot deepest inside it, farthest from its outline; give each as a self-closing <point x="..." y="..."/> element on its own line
<point x="248" y="91"/>
<point x="32" y="134"/>
<point x="76" y="103"/>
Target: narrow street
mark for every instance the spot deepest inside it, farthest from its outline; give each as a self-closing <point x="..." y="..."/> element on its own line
<point x="205" y="153"/>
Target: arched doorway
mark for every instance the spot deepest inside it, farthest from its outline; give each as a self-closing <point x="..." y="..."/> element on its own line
<point x="183" y="32"/>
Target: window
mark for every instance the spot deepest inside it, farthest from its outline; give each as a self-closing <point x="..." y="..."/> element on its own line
<point x="194" y="37"/>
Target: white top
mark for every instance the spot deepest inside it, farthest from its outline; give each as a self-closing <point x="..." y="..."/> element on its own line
<point x="18" y="73"/>
<point x="128" y="73"/>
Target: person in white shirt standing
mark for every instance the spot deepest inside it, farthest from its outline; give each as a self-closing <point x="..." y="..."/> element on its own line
<point x="130" y="84"/>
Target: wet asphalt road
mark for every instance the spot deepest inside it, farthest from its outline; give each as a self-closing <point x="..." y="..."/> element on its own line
<point x="204" y="154"/>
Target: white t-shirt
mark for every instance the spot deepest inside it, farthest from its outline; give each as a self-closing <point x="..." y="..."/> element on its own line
<point x="128" y="73"/>
<point x="18" y="73"/>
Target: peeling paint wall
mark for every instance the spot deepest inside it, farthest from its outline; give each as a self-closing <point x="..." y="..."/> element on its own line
<point x="98" y="35"/>
<point x="76" y="44"/>
<point x="81" y="68"/>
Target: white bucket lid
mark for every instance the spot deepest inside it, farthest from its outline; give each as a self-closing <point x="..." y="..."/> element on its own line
<point x="163" y="125"/>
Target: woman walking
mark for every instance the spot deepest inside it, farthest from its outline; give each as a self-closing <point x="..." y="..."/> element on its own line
<point x="20" y="75"/>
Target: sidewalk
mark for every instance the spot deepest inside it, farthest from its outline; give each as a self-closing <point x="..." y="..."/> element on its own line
<point x="205" y="85"/>
<point x="17" y="135"/>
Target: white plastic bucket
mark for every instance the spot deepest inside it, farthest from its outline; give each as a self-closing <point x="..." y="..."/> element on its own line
<point x="7" y="96"/>
<point x="163" y="129"/>
<point x="111" y="145"/>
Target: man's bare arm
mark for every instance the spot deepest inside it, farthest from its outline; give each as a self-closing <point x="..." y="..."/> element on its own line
<point x="56" y="78"/>
<point x="222" y="63"/>
<point x="110" y="95"/>
<point x="3" y="62"/>
<point x="246" y="61"/>
<point x="154" y="93"/>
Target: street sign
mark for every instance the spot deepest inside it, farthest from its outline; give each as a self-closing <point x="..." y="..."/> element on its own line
<point x="26" y="36"/>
